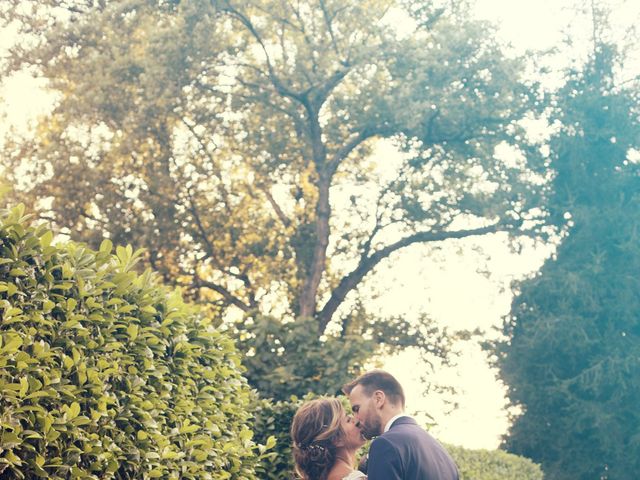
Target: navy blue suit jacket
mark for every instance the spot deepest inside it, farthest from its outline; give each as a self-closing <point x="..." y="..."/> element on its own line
<point x="407" y="452"/>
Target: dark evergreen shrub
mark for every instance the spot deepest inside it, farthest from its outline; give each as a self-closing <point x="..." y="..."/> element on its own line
<point x="104" y="373"/>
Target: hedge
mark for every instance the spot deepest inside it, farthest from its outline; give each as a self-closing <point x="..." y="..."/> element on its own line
<point x="104" y="373"/>
<point x="493" y="465"/>
<point x="272" y="424"/>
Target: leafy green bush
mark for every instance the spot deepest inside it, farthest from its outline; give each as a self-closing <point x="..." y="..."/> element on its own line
<point x="273" y="420"/>
<point x="106" y="374"/>
<point x="493" y="465"/>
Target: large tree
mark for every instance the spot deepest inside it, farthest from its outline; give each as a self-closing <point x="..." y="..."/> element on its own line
<point x="572" y="358"/>
<point x="236" y="141"/>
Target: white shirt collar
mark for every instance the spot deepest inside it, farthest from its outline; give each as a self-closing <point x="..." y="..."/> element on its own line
<point x="390" y="422"/>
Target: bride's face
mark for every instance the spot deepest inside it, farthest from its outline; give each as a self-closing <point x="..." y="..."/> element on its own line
<point x="353" y="435"/>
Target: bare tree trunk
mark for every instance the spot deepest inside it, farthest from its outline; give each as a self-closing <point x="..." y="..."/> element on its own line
<point x="308" y="299"/>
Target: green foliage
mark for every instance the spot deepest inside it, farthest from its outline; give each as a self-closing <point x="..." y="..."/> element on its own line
<point x="104" y="373"/>
<point x="287" y="359"/>
<point x="272" y="420"/>
<point x="493" y="465"/>
<point x="572" y="358"/>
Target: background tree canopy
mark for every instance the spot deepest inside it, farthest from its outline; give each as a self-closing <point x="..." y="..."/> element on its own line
<point x="236" y="142"/>
<point x="572" y="358"/>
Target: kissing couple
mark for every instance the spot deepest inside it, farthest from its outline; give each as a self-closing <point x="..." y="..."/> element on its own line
<point x="326" y="438"/>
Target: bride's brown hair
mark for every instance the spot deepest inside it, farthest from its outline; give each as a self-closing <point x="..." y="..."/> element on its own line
<point x="315" y="431"/>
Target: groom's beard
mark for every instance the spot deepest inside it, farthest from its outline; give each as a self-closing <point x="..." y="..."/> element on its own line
<point x="371" y="428"/>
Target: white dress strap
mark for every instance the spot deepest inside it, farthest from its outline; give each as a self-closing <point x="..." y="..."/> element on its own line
<point x="355" y="475"/>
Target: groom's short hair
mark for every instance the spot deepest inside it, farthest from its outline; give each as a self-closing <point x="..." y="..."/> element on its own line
<point x="378" y="380"/>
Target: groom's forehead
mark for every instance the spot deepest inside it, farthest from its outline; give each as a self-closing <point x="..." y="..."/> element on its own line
<point x="357" y="395"/>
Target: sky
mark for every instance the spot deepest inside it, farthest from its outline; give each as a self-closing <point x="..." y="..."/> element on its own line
<point x="449" y="285"/>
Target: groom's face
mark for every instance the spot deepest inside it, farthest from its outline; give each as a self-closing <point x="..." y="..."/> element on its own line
<point x="365" y="412"/>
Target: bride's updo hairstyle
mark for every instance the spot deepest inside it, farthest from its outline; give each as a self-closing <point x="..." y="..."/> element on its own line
<point x="315" y="431"/>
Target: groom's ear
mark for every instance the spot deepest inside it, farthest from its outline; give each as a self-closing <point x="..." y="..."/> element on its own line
<point x="379" y="398"/>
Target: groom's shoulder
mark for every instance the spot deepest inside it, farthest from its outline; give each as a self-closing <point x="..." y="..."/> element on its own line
<point x="405" y="420"/>
<point x="404" y="425"/>
<point x="405" y="428"/>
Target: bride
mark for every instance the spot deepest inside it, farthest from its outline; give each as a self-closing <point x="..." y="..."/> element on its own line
<point x="325" y="441"/>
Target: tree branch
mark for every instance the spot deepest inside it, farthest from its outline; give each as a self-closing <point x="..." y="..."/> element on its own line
<point x="329" y="23"/>
<point x="322" y="92"/>
<point x="277" y="83"/>
<point x="216" y="168"/>
<point x="281" y="215"/>
<point x="346" y="149"/>
<point x="367" y="263"/>
<point x="256" y="98"/>
<point x="226" y="294"/>
<point x="200" y="226"/>
<point x="378" y="227"/>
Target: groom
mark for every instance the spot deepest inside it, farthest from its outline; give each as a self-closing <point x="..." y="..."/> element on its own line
<point x="401" y="449"/>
